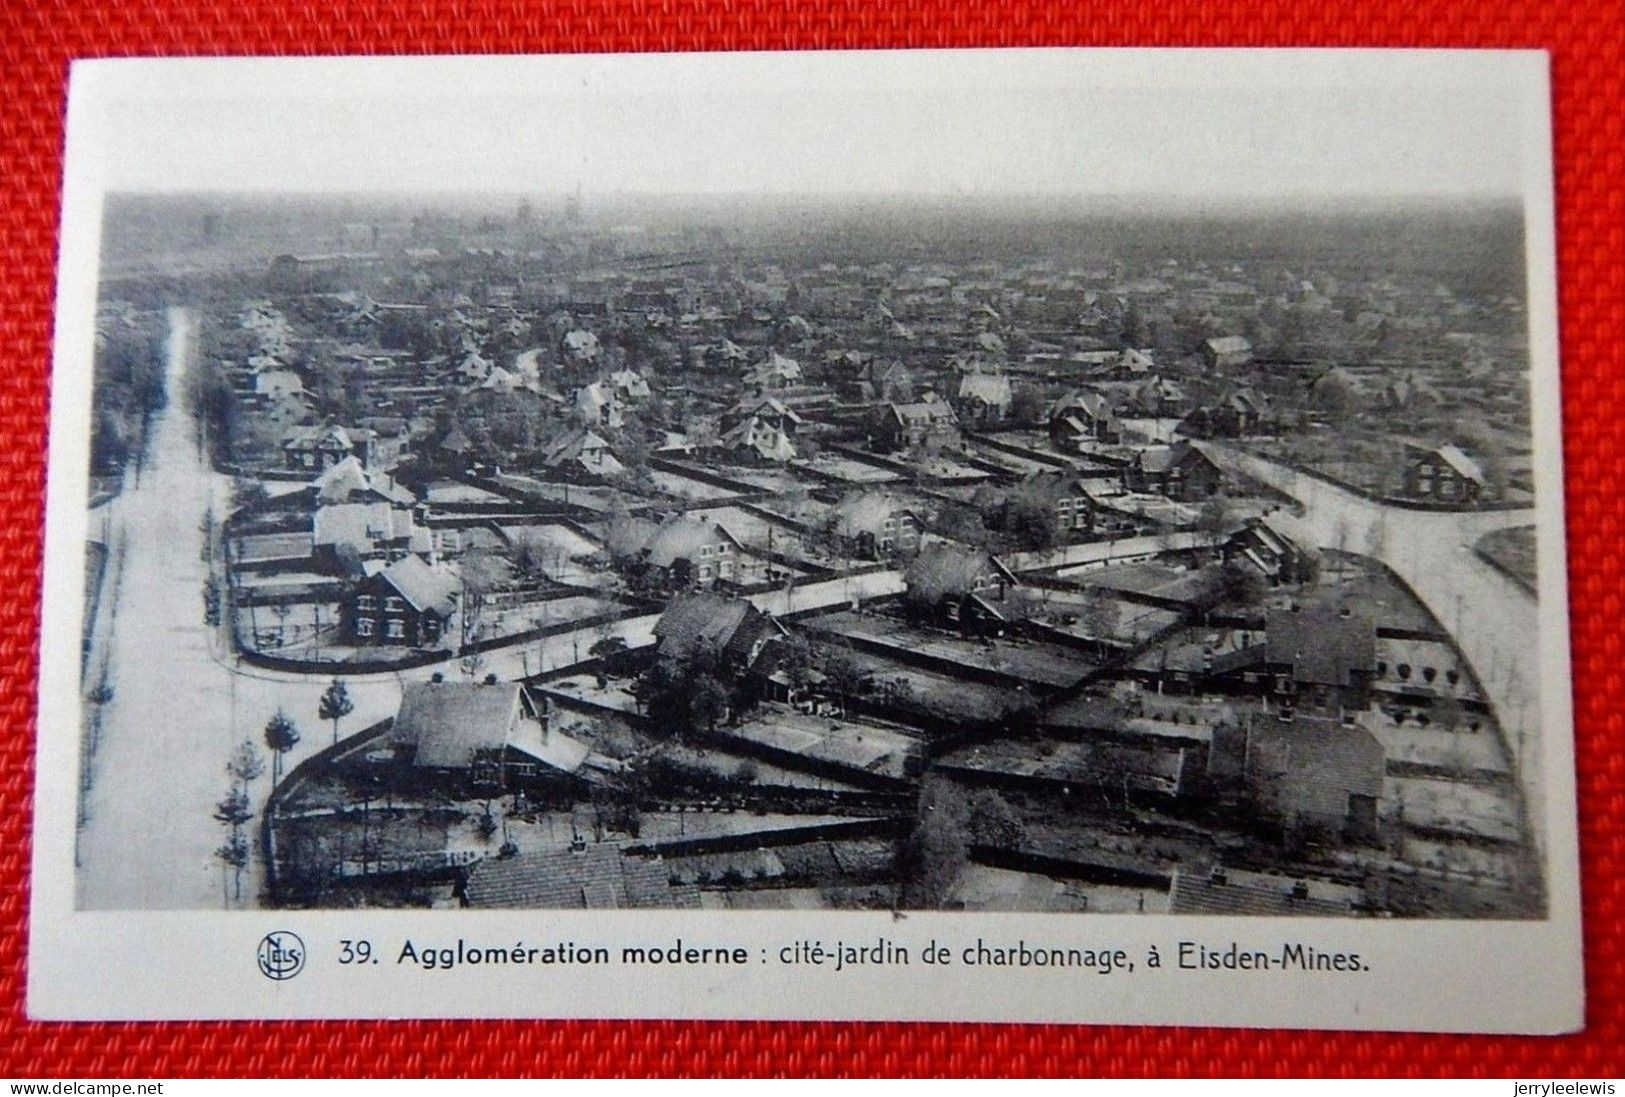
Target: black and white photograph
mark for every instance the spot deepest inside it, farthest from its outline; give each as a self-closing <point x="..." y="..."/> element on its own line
<point x="983" y="484"/>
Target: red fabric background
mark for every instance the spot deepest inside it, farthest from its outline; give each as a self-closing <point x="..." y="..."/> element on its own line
<point x="1585" y="39"/>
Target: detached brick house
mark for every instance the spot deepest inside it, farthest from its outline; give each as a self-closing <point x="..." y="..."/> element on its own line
<point x="961" y="587"/>
<point x="875" y="525"/>
<point x="731" y="631"/>
<point x="1227" y="352"/>
<point x="1276" y="546"/>
<point x="1239" y="415"/>
<point x="1180" y="471"/>
<point x="1443" y="474"/>
<point x="1082" y="416"/>
<point x="319" y="448"/>
<point x="1304" y="770"/>
<point x="486" y="736"/>
<point x="687" y="553"/>
<point x="408" y="604"/>
<point x="911" y="426"/>
<point x="1318" y="658"/>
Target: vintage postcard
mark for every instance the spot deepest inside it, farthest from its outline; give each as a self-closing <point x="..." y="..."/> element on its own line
<point x="1052" y="535"/>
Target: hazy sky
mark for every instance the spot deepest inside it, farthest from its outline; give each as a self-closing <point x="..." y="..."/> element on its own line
<point x="1227" y="124"/>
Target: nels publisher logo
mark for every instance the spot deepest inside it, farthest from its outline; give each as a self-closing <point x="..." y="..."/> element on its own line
<point x="281" y="955"/>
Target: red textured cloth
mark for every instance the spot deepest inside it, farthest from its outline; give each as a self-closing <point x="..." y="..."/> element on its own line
<point x="38" y="39"/>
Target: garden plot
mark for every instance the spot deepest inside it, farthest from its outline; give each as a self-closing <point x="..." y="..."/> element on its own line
<point x="1456" y="808"/>
<point x="946" y="468"/>
<point x="1031" y="661"/>
<point x="726" y="765"/>
<point x="559" y="538"/>
<point x="1157" y="580"/>
<point x="1423" y="666"/>
<point x="867" y="748"/>
<point x="1498" y="866"/>
<point x="761" y="534"/>
<point x="937" y="695"/>
<point x="686" y="487"/>
<point x="441" y="492"/>
<point x="841" y="466"/>
<point x="273" y="546"/>
<point x="616" y="693"/>
<point x="1091" y="615"/>
<point x="1016" y="463"/>
<point x="767" y="479"/>
<point x="512" y="620"/>
<point x="983" y="887"/>
<point x="1513" y="550"/>
<point x="600" y="499"/>
<point x="1468" y="754"/>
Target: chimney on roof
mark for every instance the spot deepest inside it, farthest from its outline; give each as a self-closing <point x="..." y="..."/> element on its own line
<point x="1300" y="889"/>
<point x="1218" y="877"/>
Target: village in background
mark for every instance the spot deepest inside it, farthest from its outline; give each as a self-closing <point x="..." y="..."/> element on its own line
<point x="775" y="554"/>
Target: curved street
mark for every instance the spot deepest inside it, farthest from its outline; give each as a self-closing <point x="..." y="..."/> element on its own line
<point x="1495" y="622"/>
<point x="182" y="701"/>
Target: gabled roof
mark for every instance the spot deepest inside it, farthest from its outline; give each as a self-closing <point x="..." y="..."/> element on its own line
<point x="348" y="479"/>
<point x="600" y="877"/>
<point x="1311" y="765"/>
<point x="1159" y="388"/>
<point x="363" y="525"/>
<point x="1461" y="464"/>
<point x="449" y="722"/>
<point x="765" y="405"/>
<point x="1136" y="361"/>
<point x="1159" y="459"/>
<point x="955" y="568"/>
<point x="328" y="436"/>
<point x="681" y="537"/>
<point x="426" y="588"/>
<point x="865" y="511"/>
<point x="630" y="382"/>
<point x="701" y="622"/>
<point x="578" y="444"/>
<point x="1322" y="645"/>
<point x="1228" y="344"/>
<point x="1092" y="404"/>
<point x="992" y="389"/>
<point x="455" y="441"/>
<point x="927" y="412"/>
<point x="765" y="438"/>
<point x="777" y="366"/>
<point x="1235" y="892"/>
